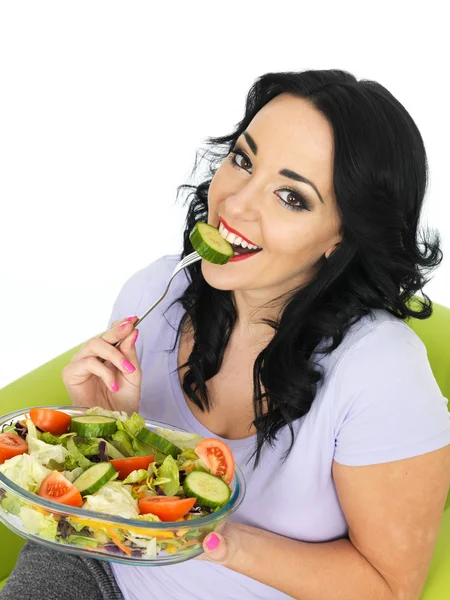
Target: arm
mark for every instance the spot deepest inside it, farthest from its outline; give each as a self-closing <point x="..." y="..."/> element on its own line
<point x="393" y="511"/>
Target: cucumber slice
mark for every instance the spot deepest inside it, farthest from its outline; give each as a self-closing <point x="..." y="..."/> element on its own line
<point x="208" y="489"/>
<point x="158" y="442"/>
<point x="93" y="426"/>
<point x="94" y="478"/>
<point x="211" y="246"/>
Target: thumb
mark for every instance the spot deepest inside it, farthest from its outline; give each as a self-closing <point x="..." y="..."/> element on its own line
<point x="216" y="548"/>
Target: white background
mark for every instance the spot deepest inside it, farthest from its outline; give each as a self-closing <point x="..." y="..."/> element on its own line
<point x="103" y="105"/>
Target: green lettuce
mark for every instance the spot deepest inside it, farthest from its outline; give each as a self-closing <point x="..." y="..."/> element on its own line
<point x="12" y="503"/>
<point x="149" y="517"/>
<point x="35" y="522"/>
<point x="148" y="546"/>
<point x="169" y="470"/>
<point x="113" y="498"/>
<point x="137" y="476"/>
<point x="73" y="474"/>
<point x="81" y="540"/>
<point x="133" y="425"/>
<point x="25" y="470"/>
<point x="180" y="438"/>
<point x="32" y="431"/>
<point x="76" y="458"/>
<point x="46" y="452"/>
<point x="122" y="441"/>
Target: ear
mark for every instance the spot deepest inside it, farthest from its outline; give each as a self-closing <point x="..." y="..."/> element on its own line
<point x="331" y="249"/>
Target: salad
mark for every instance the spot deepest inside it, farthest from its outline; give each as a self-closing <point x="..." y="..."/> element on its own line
<point x="111" y="463"/>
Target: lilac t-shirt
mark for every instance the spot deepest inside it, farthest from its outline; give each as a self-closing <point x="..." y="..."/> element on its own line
<point x="379" y="402"/>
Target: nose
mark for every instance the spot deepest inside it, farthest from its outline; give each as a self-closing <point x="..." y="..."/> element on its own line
<point x="245" y="202"/>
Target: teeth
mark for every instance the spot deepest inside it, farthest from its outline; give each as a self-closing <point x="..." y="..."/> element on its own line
<point x="235" y="239"/>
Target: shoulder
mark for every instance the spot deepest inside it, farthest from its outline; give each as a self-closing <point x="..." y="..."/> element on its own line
<point x="387" y="404"/>
<point x="375" y="340"/>
<point x="381" y="351"/>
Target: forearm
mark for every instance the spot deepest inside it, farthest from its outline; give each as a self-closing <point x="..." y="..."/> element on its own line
<point x="307" y="571"/>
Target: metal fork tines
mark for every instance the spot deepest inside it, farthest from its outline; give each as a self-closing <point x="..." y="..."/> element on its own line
<point x="187" y="261"/>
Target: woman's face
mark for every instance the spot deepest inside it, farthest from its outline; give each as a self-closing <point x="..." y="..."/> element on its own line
<point x="288" y="144"/>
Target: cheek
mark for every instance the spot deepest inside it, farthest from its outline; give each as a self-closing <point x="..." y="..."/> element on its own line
<point x="290" y="241"/>
<point x="217" y="187"/>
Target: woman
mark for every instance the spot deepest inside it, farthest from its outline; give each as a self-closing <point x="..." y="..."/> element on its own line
<point x="297" y="355"/>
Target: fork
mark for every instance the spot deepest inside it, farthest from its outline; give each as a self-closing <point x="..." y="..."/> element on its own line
<point x="187" y="261"/>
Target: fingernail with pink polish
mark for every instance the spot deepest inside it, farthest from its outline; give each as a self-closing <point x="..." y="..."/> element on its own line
<point x="115" y="387"/>
<point x="212" y="542"/>
<point x="124" y="324"/>
<point x="135" y="336"/>
<point x="128" y="366"/>
<point x="131" y="318"/>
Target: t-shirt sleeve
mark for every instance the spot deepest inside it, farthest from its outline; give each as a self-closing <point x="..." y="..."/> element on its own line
<point x="387" y="403"/>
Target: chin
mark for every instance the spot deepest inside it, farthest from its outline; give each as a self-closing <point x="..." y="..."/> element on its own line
<point x="217" y="276"/>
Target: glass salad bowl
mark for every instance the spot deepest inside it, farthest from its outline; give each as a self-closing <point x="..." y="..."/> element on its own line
<point x="127" y="536"/>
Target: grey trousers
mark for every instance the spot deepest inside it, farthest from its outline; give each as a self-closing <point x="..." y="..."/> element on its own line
<point x="44" y="574"/>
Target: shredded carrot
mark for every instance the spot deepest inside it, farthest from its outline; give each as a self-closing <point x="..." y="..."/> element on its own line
<point x="115" y="539"/>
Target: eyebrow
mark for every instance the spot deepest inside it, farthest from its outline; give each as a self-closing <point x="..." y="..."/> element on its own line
<point x="284" y="172"/>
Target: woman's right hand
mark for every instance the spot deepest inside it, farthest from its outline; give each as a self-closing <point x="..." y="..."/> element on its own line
<point x="114" y="384"/>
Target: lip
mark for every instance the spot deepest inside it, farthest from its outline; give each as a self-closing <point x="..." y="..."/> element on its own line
<point x="231" y="230"/>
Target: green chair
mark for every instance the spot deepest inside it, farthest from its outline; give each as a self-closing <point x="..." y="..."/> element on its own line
<point x="44" y="386"/>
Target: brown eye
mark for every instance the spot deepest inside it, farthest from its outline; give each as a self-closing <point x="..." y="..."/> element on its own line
<point x="239" y="160"/>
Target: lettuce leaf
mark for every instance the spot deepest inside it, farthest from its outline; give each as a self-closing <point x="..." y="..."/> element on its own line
<point x="169" y="470"/>
<point x="35" y="522"/>
<point x="133" y="425"/>
<point x="137" y="476"/>
<point x="25" y="470"/>
<point x="77" y="459"/>
<point x="73" y="474"/>
<point x="179" y="438"/>
<point x="12" y="503"/>
<point x="122" y="441"/>
<point x="149" y="517"/>
<point x="148" y="545"/>
<point x="32" y="431"/>
<point x="81" y="540"/>
<point x="113" y="498"/>
<point x="46" y="452"/>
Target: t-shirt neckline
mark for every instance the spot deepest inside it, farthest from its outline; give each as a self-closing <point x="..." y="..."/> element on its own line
<point x="192" y="421"/>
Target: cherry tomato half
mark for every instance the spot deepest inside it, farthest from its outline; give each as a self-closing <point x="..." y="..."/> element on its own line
<point x="53" y="421"/>
<point x="125" y="466"/>
<point x="11" y="445"/>
<point x="218" y="457"/>
<point x="167" y="508"/>
<point x="59" y="489"/>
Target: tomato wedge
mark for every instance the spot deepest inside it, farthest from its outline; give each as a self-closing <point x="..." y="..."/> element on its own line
<point x="125" y="466"/>
<point x="11" y="445"/>
<point x="59" y="489"/>
<point x="218" y="457"/>
<point x="53" y="421"/>
<point x="167" y="508"/>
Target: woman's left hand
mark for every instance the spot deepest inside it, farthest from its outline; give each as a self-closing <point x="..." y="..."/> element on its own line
<point x="222" y="545"/>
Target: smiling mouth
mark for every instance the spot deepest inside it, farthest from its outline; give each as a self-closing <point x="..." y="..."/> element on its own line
<point x="240" y="244"/>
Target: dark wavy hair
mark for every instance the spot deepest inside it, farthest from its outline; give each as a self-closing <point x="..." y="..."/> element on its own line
<point x="380" y="179"/>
